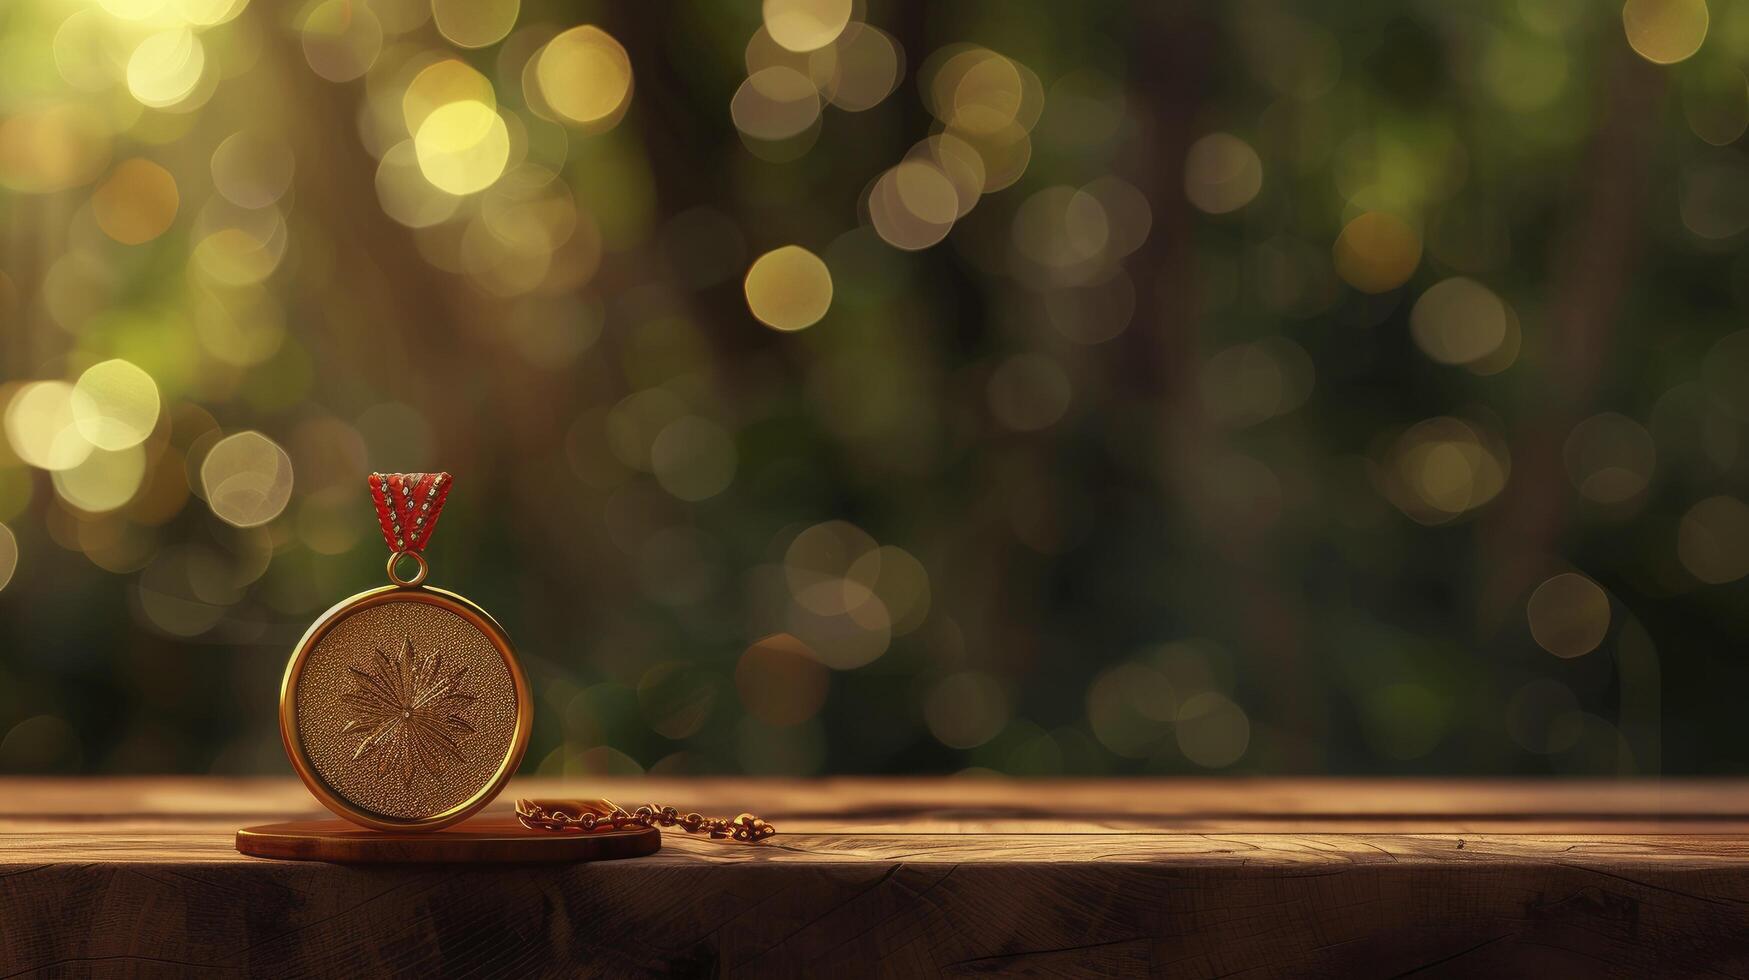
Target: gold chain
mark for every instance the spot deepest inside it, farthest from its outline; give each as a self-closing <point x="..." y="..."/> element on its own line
<point x="587" y="816"/>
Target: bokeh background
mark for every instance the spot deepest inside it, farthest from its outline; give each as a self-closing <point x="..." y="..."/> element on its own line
<point x="834" y="386"/>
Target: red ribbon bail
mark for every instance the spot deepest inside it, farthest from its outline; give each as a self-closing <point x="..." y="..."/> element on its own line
<point x="407" y="507"/>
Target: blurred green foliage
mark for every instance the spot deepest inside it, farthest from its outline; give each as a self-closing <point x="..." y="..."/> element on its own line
<point x="891" y="387"/>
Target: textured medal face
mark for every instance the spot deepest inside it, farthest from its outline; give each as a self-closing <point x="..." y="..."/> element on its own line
<point x="404" y="708"/>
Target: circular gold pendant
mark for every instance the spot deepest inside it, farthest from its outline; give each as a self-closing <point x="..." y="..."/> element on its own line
<point x="403" y="708"/>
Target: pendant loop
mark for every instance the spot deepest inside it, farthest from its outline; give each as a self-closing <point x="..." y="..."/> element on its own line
<point x="418" y="577"/>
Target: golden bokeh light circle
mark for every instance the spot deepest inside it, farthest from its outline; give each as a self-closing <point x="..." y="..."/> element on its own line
<point x="866" y="68"/>
<point x="116" y="404"/>
<point x="238" y="247"/>
<point x="775" y="103"/>
<point x="977" y="92"/>
<point x="788" y="288"/>
<point x="1665" y="31"/>
<point x="1377" y="252"/>
<point x="136" y="203"/>
<point x="1128" y="215"/>
<point x="252" y="168"/>
<point x="805" y="25"/>
<point x="585" y="77"/>
<point x="1222" y="173"/>
<point x="913" y="205"/>
<point x="341" y="39"/>
<point x="1610" y="458"/>
<point x="462" y="147"/>
<point x="820" y="567"/>
<point x="247" y="479"/>
<point x="1458" y="321"/>
<point x="898" y="579"/>
<point x="1442" y="468"/>
<point x="1569" y="615"/>
<point x="985" y="92"/>
<point x="1212" y="730"/>
<point x="1064" y="230"/>
<point x="166" y="67"/>
<point x="42" y="427"/>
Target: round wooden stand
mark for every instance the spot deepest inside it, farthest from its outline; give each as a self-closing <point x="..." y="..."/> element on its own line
<point x="480" y="840"/>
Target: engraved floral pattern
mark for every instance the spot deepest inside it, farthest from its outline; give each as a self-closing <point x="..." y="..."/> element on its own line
<point x="409" y="711"/>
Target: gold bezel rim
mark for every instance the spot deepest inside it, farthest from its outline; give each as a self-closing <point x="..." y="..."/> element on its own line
<point x="476" y="617"/>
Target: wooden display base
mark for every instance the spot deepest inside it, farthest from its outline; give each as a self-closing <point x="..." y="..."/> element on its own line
<point x="480" y="840"/>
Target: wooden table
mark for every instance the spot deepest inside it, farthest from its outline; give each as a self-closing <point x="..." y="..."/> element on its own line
<point x="916" y="876"/>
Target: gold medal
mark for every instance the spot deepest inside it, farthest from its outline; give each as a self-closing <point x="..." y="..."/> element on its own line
<point x="403" y="708"/>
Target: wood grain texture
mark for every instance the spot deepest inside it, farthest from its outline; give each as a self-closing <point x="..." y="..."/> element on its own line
<point x="480" y="840"/>
<point x="910" y="877"/>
